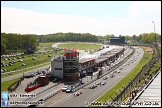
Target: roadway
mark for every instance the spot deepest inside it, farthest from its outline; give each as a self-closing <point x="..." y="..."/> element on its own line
<point x="21" y="74"/>
<point x="89" y="95"/>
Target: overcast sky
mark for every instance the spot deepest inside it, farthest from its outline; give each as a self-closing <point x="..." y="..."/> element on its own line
<point x="95" y="17"/>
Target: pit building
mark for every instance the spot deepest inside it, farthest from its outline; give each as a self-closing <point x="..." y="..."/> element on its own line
<point x="70" y="67"/>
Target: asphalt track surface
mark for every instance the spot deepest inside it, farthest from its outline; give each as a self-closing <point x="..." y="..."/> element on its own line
<point x="90" y="95"/>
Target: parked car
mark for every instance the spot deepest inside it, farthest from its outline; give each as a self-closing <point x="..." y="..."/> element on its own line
<point x="13" y="58"/>
<point x="118" y="71"/>
<point x="23" y="64"/>
<point x="55" y="80"/>
<point x="64" y="88"/>
<point x="33" y="58"/>
<point x="19" y="57"/>
<point x="68" y="90"/>
<point x="20" y="60"/>
<point x="24" y="57"/>
<point x="105" y="78"/>
<point x="120" y="68"/>
<point x="103" y="82"/>
<point x="98" y="83"/>
<point x="112" y="75"/>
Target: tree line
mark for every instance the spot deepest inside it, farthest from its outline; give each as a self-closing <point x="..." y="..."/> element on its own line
<point x="11" y="41"/>
<point x="62" y="37"/>
<point x="142" y="38"/>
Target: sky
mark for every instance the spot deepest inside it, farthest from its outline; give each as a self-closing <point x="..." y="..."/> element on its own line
<point x="95" y="17"/>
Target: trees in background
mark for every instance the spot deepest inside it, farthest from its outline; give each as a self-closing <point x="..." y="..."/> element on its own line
<point x="13" y="41"/>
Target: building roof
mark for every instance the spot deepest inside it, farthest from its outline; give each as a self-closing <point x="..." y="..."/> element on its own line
<point x="85" y="60"/>
<point x="101" y="59"/>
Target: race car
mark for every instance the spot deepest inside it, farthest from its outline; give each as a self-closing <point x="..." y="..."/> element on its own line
<point x="77" y="93"/>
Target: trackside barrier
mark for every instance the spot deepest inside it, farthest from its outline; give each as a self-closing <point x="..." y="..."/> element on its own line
<point x="85" y="84"/>
<point x="46" y="89"/>
<point x="50" y="95"/>
<point x="139" y="94"/>
<point x="137" y="79"/>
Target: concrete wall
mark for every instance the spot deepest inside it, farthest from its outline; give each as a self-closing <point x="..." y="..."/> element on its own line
<point x="55" y="66"/>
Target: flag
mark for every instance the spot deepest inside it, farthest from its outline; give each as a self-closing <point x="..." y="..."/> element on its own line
<point x="72" y="49"/>
<point x="64" y="49"/>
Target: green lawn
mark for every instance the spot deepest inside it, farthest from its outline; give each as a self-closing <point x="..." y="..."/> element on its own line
<point x="115" y="89"/>
<point x="6" y="84"/>
<point x="81" y="46"/>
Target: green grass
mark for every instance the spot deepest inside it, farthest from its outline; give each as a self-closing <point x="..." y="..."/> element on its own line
<point x="115" y="89"/>
<point x="47" y="44"/>
<point x="156" y="65"/>
<point x="6" y="84"/>
<point x="81" y="46"/>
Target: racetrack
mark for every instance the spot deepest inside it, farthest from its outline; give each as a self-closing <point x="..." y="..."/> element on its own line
<point x="89" y="95"/>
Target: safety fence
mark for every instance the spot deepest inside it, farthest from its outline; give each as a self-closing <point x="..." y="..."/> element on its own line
<point x="137" y="79"/>
<point x="157" y="71"/>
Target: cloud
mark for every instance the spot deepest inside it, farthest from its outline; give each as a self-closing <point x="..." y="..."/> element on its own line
<point x="139" y="20"/>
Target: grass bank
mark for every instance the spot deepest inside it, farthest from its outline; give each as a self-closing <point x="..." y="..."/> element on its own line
<point x="6" y="84"/>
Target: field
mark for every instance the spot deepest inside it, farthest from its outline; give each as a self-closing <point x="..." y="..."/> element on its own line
<point x="81" y="46"/>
